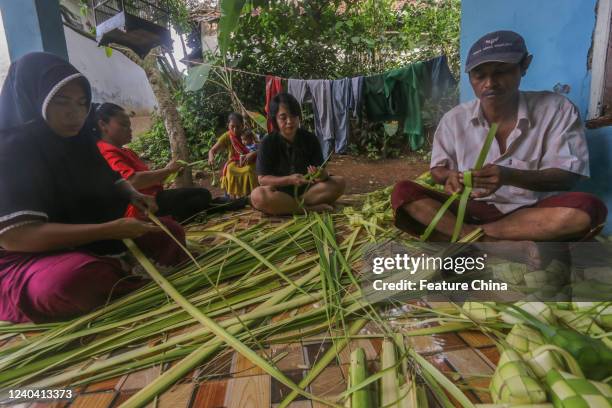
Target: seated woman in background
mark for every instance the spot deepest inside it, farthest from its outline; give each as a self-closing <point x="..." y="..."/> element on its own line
<point x="285" y="157"/>
<point x="114" y="131"/>
<point x="238" y="176"/>
<point x="62" y="205"/>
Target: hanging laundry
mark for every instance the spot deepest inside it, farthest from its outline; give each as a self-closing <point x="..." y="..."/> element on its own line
<point x="443" y="82"/>
<point x="398" y="95"/>
<point x="406" y="90"/>
<point x="273" y="86"/>
<point x="377" y="106"/>
<point x="356" y="95"/>
<point x="299" y="89"/>
<point x="321" y="92"/>
<point x="342" y="102"/>
<point x="332" y="102"/>
<point x="443" y="93"/>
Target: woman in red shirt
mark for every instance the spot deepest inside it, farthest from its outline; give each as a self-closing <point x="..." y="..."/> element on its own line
<point x="115" y="131"/>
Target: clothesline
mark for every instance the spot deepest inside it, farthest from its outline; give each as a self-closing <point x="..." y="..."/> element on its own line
<point x="234" y="69"/>
<point x="226" y="68"/>
<point x="206" y="63"/>
<point x="255" y="73"/>
<point x="245" y="72"/>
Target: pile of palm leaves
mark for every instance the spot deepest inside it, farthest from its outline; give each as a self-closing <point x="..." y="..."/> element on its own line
<point x="247" y="289"/>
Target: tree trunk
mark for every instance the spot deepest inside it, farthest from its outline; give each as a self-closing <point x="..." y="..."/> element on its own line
<point x="167" y="110"/>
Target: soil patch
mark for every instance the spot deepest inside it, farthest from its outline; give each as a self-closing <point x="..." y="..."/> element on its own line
<point x="362" y="174"/>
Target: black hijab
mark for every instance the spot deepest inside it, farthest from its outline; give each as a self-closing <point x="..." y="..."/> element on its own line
<point x="44" y="176"/>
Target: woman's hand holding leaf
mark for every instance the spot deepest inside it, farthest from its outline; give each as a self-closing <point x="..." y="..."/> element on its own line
<point x="130" y="228"/>
<point x="144" y="202"/>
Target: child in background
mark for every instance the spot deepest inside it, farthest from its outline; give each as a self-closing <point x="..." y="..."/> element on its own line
<point x="238" y="177"/>
<point x="249" y="140"/>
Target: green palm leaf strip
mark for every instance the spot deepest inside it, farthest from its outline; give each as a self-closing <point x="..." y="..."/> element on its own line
<point x="441" y="379"/>
<point x="436" y="219"/>
<point x="228" y="338"/>
<point x="232" y="238"/>
<point x="256" y="254"/>
<point x="467" y="179"/>
<point x="465" y="195"/>
<point x="324" y="361"/>
<point x="358" y="374"/>
<point x="177" y="372"/>
<point x="172" y="176"/>
<point x="309" y="177"/>
<point x="369" y="380"/>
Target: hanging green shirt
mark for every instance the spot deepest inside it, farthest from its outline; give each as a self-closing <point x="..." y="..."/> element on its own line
<point x="398" y="95"/>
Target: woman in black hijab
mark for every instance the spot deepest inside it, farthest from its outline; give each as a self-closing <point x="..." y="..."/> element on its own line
<point x="61" y="206"/>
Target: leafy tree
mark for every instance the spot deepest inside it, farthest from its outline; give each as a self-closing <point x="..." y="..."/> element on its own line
<point x="315" y="39"/>
<point x="335" y="39"/>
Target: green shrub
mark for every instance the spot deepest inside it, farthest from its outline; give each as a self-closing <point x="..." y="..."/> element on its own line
<point x="203" y="118"/>
<point x="153" y="146"/>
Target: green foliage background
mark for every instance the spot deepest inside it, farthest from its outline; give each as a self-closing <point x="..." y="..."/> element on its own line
<point x="317" y="39"/>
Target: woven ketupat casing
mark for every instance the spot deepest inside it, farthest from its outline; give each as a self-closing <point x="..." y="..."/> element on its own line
<point x="479" y="311"/>
<point x="509" y="272"/>
<point x="569" y="391"/>
<point x="513" y="383"/>
<point x="524" y="339"/>
<point x="539" y="310"/>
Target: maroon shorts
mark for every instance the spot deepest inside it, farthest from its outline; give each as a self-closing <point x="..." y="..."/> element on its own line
<point x="479" y="212"/>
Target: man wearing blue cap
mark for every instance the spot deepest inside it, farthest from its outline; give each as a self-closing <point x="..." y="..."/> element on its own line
<point x="539" y="152"/>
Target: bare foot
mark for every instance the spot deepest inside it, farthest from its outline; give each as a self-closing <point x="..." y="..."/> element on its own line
<point x="320" y="208"/>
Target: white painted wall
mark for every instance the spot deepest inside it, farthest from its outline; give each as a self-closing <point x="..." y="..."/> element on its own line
<point x="113" y="79"/>
<point x="5" y="60"/>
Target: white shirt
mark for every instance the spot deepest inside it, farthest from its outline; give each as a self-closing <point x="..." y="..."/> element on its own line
<point x="548" y="134"/>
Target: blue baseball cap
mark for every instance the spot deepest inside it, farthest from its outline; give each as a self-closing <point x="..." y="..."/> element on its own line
<point x="498" y="46"/>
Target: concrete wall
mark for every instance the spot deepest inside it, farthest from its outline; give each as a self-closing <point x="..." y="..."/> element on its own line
<point x="113" y="79"/>
<point x="559" y="35"/>
<point x="5" y="59"/>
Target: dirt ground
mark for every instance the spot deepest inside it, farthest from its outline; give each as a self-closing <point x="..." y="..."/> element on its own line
<point x="362" y="175"/>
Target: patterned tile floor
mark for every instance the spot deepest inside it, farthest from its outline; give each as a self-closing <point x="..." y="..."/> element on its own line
<point x="231" y="381"/>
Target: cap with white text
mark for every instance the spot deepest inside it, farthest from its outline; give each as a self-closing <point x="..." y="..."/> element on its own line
<point x="498" y="46"/>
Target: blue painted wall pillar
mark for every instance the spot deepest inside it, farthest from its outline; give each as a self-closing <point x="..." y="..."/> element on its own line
<point x="33" y="25"/>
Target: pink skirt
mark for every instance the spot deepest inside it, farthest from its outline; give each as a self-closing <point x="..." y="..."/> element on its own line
<point x="46" y="287"/>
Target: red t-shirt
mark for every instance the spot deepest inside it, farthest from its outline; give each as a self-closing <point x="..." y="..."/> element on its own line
<point x="126" y="162"/>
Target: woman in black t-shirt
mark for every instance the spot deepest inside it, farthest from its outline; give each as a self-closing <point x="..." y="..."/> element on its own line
<point x="285" y="156"/>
